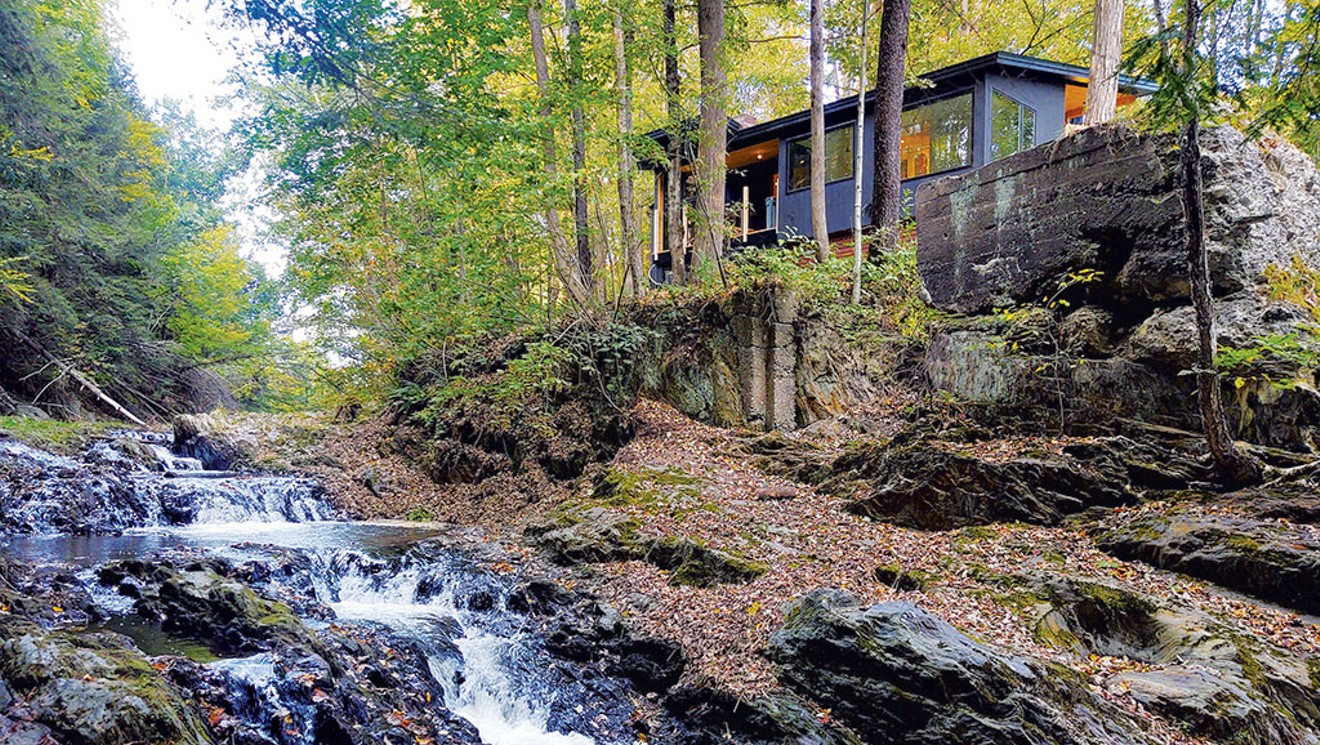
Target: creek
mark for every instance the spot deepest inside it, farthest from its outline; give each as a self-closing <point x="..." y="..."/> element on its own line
<point x="425" y="587"/>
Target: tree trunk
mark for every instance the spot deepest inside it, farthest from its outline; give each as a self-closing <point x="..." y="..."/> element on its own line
<point x="819" y="224"/>
<point x="581" y="226"/>
<point x="1233" y="466"/>
<point x="887" y="197"/>
<point x="858" y="161"/>
<point x="674" y="239"/>
<point x="709" y="168"/>
<point x="565" y="267"/>
<point x="632" y="250"/>
<point x="1106" y="53"/>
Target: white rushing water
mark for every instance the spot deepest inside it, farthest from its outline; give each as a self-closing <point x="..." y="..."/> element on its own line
<point x="483" y="660"/>
<point x="477" y="684"/>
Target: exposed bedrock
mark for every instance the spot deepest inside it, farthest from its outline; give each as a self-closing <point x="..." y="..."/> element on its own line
<point x="1218" y="682"/>
<point x="896" y="674"/>
<point x="1256" y="542"/>
<point x="929" y="487"/>
<point x="1009" y="236"/>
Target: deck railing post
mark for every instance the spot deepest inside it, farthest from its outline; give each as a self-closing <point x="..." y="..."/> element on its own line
<point x="746" y="209"/>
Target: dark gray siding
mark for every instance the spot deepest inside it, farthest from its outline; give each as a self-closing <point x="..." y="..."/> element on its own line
<point x="1046" y="97"/>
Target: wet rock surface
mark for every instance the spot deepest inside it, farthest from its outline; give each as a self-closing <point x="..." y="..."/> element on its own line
<point x="89" y="688"/>
<point x="134" y="481"/>
<point x="197" y="436"/>
<point x="1247" y="542"/>
<point x="1218" y="682"/>
<point x="896" y="674"/>
<point x="926" y="486"/>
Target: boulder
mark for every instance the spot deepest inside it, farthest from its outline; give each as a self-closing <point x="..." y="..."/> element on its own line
<point x="199" y="436"/>
<point x="90" y="689"/>
<point x="926" y="486"/>
<point x="893" y="673"/>
<point x="200" y="601"/>
<point x="1217" y="682"/>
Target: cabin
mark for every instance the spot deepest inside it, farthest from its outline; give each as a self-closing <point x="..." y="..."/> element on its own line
<point x="961" y="118"/>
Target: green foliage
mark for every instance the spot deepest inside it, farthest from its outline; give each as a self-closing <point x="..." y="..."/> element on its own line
<point x="207" y="282"/>
<point x="51" y="434"/>
<point x="109" y="237"/>
<point x="793" y="267"/>
<point x="1297" y="283"/>
<point x="13" y="282"/>
<point x="895" y="283"/>
<point x="1281" y="359"/>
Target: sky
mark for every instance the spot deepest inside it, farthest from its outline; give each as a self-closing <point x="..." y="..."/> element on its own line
<point x="180" y="50"/>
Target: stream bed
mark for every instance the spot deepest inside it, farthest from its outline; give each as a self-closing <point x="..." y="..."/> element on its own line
<point x="287" y="623"/>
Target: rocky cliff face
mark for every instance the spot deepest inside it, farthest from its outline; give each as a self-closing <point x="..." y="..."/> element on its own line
<point x="1009" y="236"/>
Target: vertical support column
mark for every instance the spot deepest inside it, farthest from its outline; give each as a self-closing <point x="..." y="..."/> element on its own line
<point x="750" y="331"/>
<point x="781" y="363"/>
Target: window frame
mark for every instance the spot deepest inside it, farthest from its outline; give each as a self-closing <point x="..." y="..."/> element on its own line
<point x="788" y="158"/>
<point x="972" y="128"/>
<point x="1023" y="106"/>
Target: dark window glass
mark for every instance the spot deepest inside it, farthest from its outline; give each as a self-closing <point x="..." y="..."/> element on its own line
<point x="838" y="157"/>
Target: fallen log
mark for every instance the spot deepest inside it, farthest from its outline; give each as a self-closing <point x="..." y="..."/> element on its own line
<point x="86" y="382"/>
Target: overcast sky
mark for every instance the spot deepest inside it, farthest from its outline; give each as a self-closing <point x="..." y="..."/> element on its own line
<point x="180" y="50"/>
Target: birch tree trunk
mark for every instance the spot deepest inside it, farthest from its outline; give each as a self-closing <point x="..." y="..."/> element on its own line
<point x="674" y="239"/>
<point x="709" y="168"/>
<point x="565" y="267"/>
<point x="859" y="161"/>
<point x="887" y="199"/>
<point x="1106" y="54"/>
<point x="819" y="223"/>
<point x="581" y="224"/>
<point x="627" y="168"/>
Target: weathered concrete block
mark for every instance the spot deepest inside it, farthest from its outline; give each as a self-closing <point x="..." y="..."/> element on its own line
<point x="1108" y="199"/>
<point x="782" y="379"/>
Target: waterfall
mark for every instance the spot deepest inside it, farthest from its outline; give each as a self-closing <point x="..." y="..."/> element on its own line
<point x="475" y="651"/>
<point x="483" y="655"/>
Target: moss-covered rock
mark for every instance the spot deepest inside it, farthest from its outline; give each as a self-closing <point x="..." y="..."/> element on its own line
<point x="93" y="688"/>
<point x="1216" y="681"/>
<point x="928" y="486"/>
<point x="202" y="602"/>
<point x="1272" y="560"/>
<point x="896" y="674"/>
<point x="903" y="578"/>
<point x="588" y="534"/>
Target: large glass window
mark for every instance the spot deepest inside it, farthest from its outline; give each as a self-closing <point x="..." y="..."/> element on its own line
<point x="937" y="136"/>
<point x="838" y="158"/>
<point x="1012" y="126"/>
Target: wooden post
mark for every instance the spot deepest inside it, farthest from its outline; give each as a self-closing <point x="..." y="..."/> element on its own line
<point x="683" y="248"/>
<point x="658" y="219"/>
<point x="746" y="205"/>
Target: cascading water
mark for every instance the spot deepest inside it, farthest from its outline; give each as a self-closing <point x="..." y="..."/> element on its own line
<point x="488" y="664"/>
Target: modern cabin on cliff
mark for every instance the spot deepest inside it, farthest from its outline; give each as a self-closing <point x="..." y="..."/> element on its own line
<point x="962" y="118"/>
